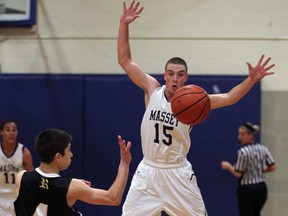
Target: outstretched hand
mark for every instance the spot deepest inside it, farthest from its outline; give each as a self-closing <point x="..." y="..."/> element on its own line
<point x="261" y="70"/>
<point x="131" y="13"/>
<point x="124" y="150"/>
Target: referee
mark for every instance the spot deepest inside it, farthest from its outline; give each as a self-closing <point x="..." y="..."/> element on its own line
<point x="253" y="160"/>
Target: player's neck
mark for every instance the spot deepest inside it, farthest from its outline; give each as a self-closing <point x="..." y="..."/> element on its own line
<point x="49" y="168"/>
<point x="167" y="95"/>
<point x="8" y="148"/>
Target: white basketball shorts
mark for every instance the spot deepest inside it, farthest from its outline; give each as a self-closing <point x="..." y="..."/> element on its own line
<point x="171" y="189"/>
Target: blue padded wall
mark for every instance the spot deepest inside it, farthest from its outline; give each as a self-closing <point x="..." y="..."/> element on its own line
<point x="96" y="108"/>
<point x="40" y="102"/>
<point x="113" y="106"/>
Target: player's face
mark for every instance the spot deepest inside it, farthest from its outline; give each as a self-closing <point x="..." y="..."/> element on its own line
<point x="244" y="137"/>
<point x="175" y="77"/>
<point x="9" y="133"/>
<point x="66" y="158"/>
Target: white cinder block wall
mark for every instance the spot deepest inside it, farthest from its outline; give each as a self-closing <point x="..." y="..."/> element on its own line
<point x="214" y="36"/>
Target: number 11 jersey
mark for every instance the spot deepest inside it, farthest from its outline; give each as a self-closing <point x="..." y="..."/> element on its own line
<point x="9" y="167"/>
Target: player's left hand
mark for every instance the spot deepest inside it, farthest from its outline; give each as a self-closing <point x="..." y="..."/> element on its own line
<point x="261" y="70"/>
<point x="124" y="150"/>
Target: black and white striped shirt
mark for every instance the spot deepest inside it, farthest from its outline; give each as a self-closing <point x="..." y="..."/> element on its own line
<point x="252" y="159"/>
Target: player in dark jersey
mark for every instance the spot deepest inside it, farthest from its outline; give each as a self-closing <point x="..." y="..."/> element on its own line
<point x="45" y="185"/>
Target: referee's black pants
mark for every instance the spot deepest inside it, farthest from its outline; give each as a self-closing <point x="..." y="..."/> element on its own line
<point x="251" y="199"/>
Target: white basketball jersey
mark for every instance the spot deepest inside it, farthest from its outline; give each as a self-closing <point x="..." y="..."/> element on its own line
<point x="9" y="167"/>
<point x="164" y="139"/>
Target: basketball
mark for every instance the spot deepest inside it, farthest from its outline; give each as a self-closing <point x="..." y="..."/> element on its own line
<point x="190" y="104"/>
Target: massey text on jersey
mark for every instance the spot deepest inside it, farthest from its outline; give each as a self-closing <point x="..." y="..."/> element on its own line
<point x="162" y="116"/>
<point x="8" y="167"/>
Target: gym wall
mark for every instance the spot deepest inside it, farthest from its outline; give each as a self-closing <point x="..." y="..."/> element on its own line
<point x="215" y="37"/>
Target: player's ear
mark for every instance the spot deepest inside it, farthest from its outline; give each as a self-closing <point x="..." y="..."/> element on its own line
<point x="187" y="77"/>
<point x="164" y="75"/>
<point x="57" y="156"/>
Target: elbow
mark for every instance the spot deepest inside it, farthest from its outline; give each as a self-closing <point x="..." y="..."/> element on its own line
<point x="123" y="62"/>
<point x="238" y="175"/>
<point x="221" y="100"/>
<point x="114" y="199"/>
<point x="115" y="202"/>
<point x="231" y="101"/>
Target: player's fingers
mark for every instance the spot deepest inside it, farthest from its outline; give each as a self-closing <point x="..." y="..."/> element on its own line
<point x="128" y="146"/>
<point x="121" y="141"/>
<point x="269" y="67"/>
<point x="136" y="6"/>
<point x="119" y="137"/>
<point x="266" y="62"/>
<point x="249" y="65"/>
<point x="270" y="73"/>
<point x="132" y="5"/>
<point x="260" y="60"/>
<point x="139" y="11"/>
<point x="124" y="6"/>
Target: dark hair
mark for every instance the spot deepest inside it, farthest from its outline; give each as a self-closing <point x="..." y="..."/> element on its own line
<point x="3" y="123"/>
<point x="250" y="127"/>
<point x="50" y="142"/>
<point x="176" y="60"/>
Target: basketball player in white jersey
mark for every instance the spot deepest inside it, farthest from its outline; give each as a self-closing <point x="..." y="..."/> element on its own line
<point x="13" y="158"/>
<point x="164" y="179"/>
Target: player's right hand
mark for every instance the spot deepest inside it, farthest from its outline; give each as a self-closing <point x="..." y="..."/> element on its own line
<point x="131" y="13"/>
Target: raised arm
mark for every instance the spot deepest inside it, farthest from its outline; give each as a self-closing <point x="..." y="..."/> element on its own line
<point x="256" y="74"/>
<point x="78" y="190"/>
<point x="141" y="79"/>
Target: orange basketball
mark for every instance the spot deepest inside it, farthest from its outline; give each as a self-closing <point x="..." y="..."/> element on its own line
<point x="190" y="104"/>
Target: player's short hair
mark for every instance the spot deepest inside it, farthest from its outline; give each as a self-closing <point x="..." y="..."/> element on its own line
<point x="4" y="122"/>
<point x="176" y="60"/>
<point x="50" y="142"/>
